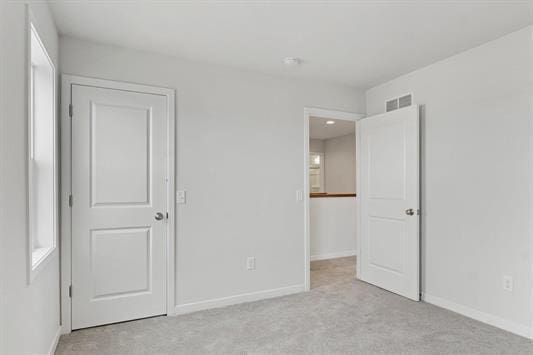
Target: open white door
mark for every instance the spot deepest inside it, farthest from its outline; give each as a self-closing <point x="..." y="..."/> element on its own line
<point x="388" y="193"/>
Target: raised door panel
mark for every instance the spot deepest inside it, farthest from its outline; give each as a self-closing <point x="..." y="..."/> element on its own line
<point x="120" y="155"/>
<point x="127" y="252"/>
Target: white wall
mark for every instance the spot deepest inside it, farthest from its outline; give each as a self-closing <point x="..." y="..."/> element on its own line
<point x="476" y="179"/>
<point x="29" y="319"/>
<point x="340" y="164"/>
<point x="332" y="227"/>
<point x="241" y="187"/>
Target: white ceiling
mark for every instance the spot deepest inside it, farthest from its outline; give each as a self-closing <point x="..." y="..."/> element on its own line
<point x="359" y="43"/>
<point x="318" y="129"/>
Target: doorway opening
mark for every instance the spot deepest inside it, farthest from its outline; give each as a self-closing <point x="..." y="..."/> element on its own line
<point x="330" y="196"/>
<point x="386" y="211"/>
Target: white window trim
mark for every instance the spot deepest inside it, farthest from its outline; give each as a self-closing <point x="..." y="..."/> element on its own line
<point x="42" y="255"/>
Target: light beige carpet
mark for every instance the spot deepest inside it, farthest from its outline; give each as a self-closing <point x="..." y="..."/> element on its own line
<point x="340" y="315"/>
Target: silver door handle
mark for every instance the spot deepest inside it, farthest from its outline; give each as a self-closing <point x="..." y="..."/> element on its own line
<point x="410" y="212"/>
<point x="159" y="216"/>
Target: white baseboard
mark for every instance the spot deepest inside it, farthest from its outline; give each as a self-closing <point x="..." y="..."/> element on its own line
<point x="53" y="347"/>
<point x="246" y="297"/>
<point x="339" y="254"/>
<point x="487" y="318"/>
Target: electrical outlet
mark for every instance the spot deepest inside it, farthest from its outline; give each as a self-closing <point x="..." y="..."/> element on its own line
<point x="508" y="283"/>
<point x="250" y="263"/>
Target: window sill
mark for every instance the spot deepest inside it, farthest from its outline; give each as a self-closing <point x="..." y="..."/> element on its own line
<point x="40" y="257"/>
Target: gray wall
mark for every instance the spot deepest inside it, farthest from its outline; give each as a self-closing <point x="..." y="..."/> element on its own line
<point x="316" y="145"/>
<point x="239" y="156"/>
<point x="29" y="313"/>
<point x="476" y="177"/>
<point x="340" y="164"/>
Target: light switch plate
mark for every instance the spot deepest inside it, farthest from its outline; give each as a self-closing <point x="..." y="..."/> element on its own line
<point x="508" y="283"/>
<point x="181" y="197"/>
<point x="250" y="263"/>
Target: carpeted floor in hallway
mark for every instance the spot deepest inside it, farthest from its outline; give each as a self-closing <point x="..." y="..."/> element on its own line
<point x="340" y="315"/>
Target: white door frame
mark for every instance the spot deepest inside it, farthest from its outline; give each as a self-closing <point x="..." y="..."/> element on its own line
<point x="325" y="113"/>
<point x="66" y="184"/>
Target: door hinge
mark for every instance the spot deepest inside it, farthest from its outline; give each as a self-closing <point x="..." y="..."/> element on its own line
<point x="70" y="200"/>
<point x="70" y="291"/>
<point x="70" y="110"/>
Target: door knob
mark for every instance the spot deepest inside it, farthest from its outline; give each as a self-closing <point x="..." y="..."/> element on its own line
<point x="410" y="212"/>
<point x="159" y="216"/>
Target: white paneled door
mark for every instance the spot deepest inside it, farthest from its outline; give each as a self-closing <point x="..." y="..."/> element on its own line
<point x="388" y="193"/>
<point x="119" y="144"/>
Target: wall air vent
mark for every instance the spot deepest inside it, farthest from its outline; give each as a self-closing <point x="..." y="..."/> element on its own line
<point x="392" y="105"/>
<point x="399" y="102"/>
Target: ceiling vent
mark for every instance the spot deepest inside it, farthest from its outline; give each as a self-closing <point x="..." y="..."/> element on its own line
<point x="399" y="102"/>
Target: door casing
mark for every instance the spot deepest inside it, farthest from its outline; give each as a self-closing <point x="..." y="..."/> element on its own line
<point x="66" y="215"/>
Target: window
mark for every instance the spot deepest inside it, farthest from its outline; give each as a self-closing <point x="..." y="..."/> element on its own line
<point x="42" y="147"/>
<point x="316" y="172"/>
